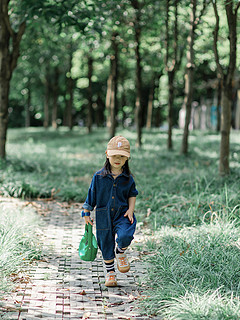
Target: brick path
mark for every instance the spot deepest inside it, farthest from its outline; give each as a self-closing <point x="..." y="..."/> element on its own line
<point x="61" y="286"/>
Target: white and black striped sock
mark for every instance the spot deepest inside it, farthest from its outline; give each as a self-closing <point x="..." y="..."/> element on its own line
<point x="119" y="250"/>
<point x="109" y="266"/>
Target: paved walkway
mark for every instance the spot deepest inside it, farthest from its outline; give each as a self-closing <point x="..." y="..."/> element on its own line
<point x="61" y="286"/>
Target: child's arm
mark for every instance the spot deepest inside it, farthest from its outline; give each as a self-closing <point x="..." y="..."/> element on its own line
<point x="131" y="206"/>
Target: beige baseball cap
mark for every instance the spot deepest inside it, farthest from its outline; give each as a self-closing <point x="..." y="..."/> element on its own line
<point x="118" y="146"/>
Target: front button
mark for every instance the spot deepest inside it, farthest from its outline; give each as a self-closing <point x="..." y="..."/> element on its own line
<point x="112" y="197"/>
<point x="112" y="209"/>
<point x="114" y="185"/>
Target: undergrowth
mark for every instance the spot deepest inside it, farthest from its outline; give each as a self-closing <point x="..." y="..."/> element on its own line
<point x="18" y="243"/>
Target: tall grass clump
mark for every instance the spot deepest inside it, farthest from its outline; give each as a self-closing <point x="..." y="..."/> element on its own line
<point x="192" y="264"/>
<point x="18" y="243"/>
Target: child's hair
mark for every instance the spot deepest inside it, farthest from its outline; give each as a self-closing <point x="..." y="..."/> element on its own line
<point x="107" y="168"/>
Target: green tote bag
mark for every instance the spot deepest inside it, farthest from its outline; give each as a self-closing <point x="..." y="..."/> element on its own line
<point x="88" y="245"/>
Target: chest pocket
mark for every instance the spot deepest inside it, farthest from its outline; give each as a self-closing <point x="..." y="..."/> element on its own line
<point x="102" y="219"/>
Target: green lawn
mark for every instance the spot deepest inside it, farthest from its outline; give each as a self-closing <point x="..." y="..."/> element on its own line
<point x="194" y="213"/>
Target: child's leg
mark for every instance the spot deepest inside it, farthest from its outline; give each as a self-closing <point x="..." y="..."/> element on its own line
<point x="109" y="264"/>
<point x="106" y="243"/>
<point x="125" y="231"/>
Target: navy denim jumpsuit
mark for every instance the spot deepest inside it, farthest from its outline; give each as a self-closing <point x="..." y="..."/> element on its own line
<point x="110" y="196"/>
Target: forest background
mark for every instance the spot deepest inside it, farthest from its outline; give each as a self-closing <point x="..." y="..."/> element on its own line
<point x="71" y="69"/>
<point x="133" y="63"/>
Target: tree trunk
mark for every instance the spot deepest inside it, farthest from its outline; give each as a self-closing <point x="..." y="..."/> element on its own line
<point x="226" y="103"/>
<point x="171" y="65"/>
<point x="219" y="95"/>
<point x="89" y="92"/>
<point x="138" y="105"/>
<point x="111" y="100"/>
<point x="27" y="108"/>
<point x="227" y="80"/>
<point x="69" y="102"/>
<point x="150" y="106"/>
<point x="189" y="76"/>
<point x="55" y="98"/>
<point x="137" y="5"/>
<point x="46" y="100"/>
<point x="155" y="85"/>
<point x="68" y="121"/>
<point x="171" y="75"/>
<point x="9" y="53"/>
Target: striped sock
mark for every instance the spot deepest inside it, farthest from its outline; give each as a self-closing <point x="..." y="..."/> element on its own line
<point x="109" y="266"/>
<point x="119" y="250"/>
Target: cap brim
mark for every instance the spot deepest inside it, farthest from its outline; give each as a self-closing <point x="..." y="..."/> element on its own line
<point x="111" y="153"/>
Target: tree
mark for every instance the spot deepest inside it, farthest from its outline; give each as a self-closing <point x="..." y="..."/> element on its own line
<point x="112" y="87"/>
<point x="190" y="67"/>
<point x="231" y="11"/>
<point x="172" y="63"/>
<point x="9" y="53"/>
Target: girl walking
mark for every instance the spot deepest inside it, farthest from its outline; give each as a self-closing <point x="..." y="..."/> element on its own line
<point x="113" y="193"/>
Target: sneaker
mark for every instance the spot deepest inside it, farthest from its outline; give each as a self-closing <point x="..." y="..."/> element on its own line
<point x="111" y="279"/>
<point x="122" y="262"/>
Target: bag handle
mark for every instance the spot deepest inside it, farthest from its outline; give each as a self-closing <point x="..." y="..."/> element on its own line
<point x="88" y="228"/>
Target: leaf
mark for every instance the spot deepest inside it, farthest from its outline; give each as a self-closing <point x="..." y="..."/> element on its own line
<point x="86" y="315"/>
<point x="82" y="293"/>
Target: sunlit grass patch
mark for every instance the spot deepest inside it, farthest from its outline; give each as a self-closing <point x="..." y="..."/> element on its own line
<point x="188" y="262"/>
<point x="18" y="242"/>
<point x="209" y="305"/>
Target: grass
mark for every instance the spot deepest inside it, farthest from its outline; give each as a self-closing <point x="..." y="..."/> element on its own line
<point x="192" y="264"/>
<point x="18" y="243"/>
<point x="192" y="214"/>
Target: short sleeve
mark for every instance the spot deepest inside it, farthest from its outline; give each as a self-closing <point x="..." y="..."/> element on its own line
<point x="90" y="202"/>
<point x="133" y="191"/>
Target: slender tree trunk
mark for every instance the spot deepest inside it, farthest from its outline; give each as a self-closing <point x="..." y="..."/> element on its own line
<point x="189" y="76"/>
<point x="137" y="5"/>
<point x="27" y="108"/>
<point x="69" y="103"/>
<point x="231" y="10"/>
<point x="171" y="65"/>
<point x="138" y="105"/>
<point x="154" y="86"/>
<point x="69" y="92"/>
<point x="150" y="107"/>
<point x="171" y="75"/>
<point x="46" y="100"/>
<point x="108" y="95"/>
<point x="9" y="53"/>
<point x="219" y="95"/>
<point x="226" y="103"/>
<point x="55" y="98"/>
<point x="111" y="100"/>
<point x="89" y="91"/>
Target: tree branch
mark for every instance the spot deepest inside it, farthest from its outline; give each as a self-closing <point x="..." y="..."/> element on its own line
<point x="215" y="35"/>
<point x="176" y="33"/>
<point x="167" y="35"/>
<point x="237" y="7"/>
<point x="17" y="36"/>
<point x="6" y="17"/>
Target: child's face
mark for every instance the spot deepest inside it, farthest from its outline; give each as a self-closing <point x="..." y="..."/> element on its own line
<point x="117" y="162"/>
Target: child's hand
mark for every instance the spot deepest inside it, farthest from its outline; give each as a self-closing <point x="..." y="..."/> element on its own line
<point x="129" y="214"/>
<point x="88" y="220"/>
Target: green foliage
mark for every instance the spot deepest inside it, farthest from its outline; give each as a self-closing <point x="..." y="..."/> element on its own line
<point x="18" y="242"/>
<point x="194" y="213"/>
<point x="191" y="265"/>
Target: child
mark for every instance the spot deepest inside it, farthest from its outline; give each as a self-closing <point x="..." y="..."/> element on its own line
<point x="113" y="192"/>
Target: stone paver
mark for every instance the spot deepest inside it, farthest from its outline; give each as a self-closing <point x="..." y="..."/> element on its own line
<point x="61" y="286"/>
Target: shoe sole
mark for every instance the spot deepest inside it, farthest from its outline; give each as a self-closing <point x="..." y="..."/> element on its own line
<point x="114" y="284"/>
<point x="126" y="269"/>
